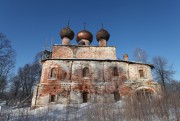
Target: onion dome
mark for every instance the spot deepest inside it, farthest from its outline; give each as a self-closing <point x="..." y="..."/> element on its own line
<point x="67" y="32"/>
<point x="102" y="34"/>
<point x="84" y="34"/>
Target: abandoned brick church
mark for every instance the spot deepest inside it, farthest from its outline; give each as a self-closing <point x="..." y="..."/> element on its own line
<point x="75" y="74"/>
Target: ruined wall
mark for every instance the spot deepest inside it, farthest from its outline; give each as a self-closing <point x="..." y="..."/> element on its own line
<point x="100" y="71"/>
<point x="69" y="83"/>
<point x="93" y="52"/>
<point x="62" y="68"/>
<point x="134" y="72"/>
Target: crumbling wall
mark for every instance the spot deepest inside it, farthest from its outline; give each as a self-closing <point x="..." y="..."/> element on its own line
<point x="134" y="72"/>
<point x="85" y="52"/>
<point x="101" y="84"/>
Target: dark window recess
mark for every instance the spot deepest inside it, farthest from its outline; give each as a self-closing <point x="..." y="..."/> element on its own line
<point x="53" y="73"/>
<point x="115" y="71"/>
<point x="86" y="72"/>
<point x="116" y="96"/>
<point x="85" y="97"/>
<point x="141" y="73"/>
<point x="52" y="98"/>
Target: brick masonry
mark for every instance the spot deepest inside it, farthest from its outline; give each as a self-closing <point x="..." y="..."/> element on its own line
<point x="108" y="79"/>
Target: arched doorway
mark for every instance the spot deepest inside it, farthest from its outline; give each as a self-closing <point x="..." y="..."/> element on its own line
<point x="144" y="94"/>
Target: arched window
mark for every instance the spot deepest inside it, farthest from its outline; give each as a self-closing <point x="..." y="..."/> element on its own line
<point x="115" y="71"/>
<point x="64" y="74"/>
<point x="53" y="73"/>
<point x="86" y="72"/>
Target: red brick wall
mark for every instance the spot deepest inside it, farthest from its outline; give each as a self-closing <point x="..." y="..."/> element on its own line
<point x="90" y="52"/>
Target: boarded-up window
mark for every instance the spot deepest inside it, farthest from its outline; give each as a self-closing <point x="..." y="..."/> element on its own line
<point x="141" y="73"/>
<point x="53" y="73"/>
<point x="115" y="71"/>
<point x="86" y="72"/>
<point x="52" y="98"/>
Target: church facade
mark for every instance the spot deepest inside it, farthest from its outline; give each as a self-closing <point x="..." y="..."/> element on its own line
<point x="75" y="74"/>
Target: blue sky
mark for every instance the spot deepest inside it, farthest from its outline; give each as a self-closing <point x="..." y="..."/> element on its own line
<point x="152" y="25"/>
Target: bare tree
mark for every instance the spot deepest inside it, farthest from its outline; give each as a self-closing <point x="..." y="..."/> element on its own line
<point x="36" y="66"/>
<point x="29" y="75"/>
<point x="7" y="61"/>
<point x="163" y="72"/>
<point x="173" y="86"/>
<point x="140" y="55"/>
<point x="15" y="86"/>
<point x="23" y="82"/>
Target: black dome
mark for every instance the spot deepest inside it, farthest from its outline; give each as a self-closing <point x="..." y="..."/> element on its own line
<point x="102" y="34"/>
<point x="67" y="32"/>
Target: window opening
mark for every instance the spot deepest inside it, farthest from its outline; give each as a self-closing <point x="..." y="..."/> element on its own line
<point x="86" y="72"/>
<point x="115" y="71"/>
<point x="52" y="98"/>
<point x="85" y="97"/>
<point x="116" y="96"/>
<point x="141" y="73"/>
<point x="53" y="73"/>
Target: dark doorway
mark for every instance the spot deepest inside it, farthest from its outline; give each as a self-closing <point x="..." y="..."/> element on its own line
<point x="52" y="98"/>
<point x="85" y="97"/>
<point x="116" y="96"/>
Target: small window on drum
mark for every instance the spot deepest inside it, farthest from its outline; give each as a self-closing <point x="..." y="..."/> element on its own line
<point x="115" y="71"/>
<point x="53" y="73"/>
<point x="86" y="72"/>
<point x="141" y="73"/>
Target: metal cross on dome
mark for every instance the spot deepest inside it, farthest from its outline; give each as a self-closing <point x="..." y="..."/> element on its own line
<point x="102" y="26"/>
<point x="84" y="25"/>
<point x="68" y="23"/>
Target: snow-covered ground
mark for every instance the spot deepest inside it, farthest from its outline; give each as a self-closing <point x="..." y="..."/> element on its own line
<point x="51" y="112"/>
<point x="85" y="112"/>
